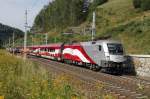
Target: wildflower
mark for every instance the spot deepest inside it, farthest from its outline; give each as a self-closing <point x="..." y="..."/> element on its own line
<point x="140" y="86"/>
<point x="45" y="83"/>
<point x="1" y="97"/>
<point x="99" y="85"/>
<point x="108" y="96"/>
<point x="74" y="96"/>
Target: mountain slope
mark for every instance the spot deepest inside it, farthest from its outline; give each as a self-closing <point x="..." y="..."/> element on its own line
<point x="122" y="21"/>
<point x="116" y="18"/>
<point x="6" y="32"/>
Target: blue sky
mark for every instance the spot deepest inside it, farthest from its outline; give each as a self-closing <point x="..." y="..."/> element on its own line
<point x="12" y="12"/>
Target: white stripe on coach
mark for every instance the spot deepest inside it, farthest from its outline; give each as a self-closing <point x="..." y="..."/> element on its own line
<point x="75" y="52"/>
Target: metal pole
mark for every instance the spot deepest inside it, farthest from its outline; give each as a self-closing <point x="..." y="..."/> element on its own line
<point x="46" y="38"/>
<point x="25" y="35"/>
<point x="55" y="40"/>
<point x="93" y="26"/>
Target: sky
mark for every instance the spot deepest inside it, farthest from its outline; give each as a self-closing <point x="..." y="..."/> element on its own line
<point x="12" y="12"/>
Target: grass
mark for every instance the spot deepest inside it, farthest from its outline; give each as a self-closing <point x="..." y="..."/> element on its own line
<point x="26" y="80"/>
<point x="119" y="19"/>
<point x="123" y="22"/>
<point x="21" y="79"/>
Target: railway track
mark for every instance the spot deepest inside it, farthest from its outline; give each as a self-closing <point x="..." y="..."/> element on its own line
<point x="137" y="80"/>
<point x="123" y="87"/>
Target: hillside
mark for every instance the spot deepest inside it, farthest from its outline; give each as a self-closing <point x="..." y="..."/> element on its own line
<point x="121" y="20"/>
<point x="6" y="32"/>
<point x="116" y="18"/>
<point x="59" y="14"/>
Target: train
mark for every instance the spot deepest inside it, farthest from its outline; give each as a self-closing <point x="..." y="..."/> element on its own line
<point x="106" y="55"/>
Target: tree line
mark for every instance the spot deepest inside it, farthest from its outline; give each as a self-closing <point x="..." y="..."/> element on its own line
<point x="6" y="32"/>
<point x="60" y="14"/>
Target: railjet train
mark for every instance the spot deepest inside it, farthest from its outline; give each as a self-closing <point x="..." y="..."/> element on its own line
<point x="102" y="54"/>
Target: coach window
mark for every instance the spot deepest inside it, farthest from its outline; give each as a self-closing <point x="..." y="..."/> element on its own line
<point x="49" y="50"/>
<point x="53" y="50"/>
<point x="100" y="47"/>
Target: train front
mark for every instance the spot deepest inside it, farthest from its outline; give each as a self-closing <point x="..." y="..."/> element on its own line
<point x="115" y="56"/>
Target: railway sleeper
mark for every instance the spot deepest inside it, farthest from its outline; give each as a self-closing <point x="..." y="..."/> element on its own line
<point x="124" y="92"/>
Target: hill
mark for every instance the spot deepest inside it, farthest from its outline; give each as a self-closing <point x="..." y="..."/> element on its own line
<point x="6" y="32"/>
<point x="116" y="18"/>
<point x="122" y="21"/>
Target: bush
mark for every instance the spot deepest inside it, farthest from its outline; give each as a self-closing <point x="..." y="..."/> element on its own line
<point x="99" y="2"/>
<point x="137" y="3"/>
<point x="145" y="5"/>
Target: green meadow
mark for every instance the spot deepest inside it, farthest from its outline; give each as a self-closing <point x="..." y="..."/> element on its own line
<point x="21" y="79"/>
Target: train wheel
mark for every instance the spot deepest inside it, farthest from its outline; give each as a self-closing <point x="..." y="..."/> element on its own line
<point x="91" y="67"/>
<point x="103" y="70"/>
<point x="96" y="68"/>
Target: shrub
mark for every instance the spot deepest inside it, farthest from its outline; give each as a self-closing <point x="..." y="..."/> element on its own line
<point x="145" y="5"/>
<point x="99" y="2"/>
<point x="137" y="3"/>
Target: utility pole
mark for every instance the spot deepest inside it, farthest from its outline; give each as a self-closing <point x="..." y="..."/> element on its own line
<point x="93" y="26"/>
<point x="13" y="43"/>
<point x="55" y="40"/>
<point x="25" y="35"/>
<point x="9" y="43"/>
<point x="46" y="38"/>
<point x="32" y="40"/>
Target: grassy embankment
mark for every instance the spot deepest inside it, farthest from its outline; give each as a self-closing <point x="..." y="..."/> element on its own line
<point x="21" y="79"/>
<point x="121" y="20"/>
<point x="26" y="80"/>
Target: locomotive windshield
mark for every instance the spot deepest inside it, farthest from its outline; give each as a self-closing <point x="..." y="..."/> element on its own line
<point x="115" y="49"/>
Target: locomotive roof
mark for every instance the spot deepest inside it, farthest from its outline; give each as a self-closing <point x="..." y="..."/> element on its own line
<point x="48" y="45"/>
<point x="100" y="41"/>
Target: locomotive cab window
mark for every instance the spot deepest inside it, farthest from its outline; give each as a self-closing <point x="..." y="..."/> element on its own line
<point x="115" y="49"/>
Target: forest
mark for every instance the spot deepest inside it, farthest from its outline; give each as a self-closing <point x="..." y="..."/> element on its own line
<point x="60" y="14"/>
<point x="6" y="32"/>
